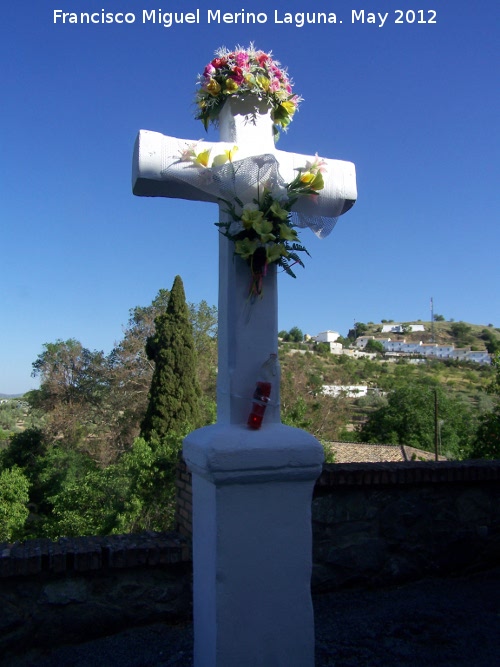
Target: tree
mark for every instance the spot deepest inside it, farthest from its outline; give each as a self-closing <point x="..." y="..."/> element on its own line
<point x="132" y="370"/>
<point x="462" y="333"/>
<point x="409" y="419"/>
<point x="204" y="322"/>
<point x="74" y="396"/>
<point x="174" y="394"/>
<point x="14" y="497"/>
<point x="295" y="335"/>
<point x="359" y="330"/>
<point x="492" y="342"/>
<point x="374" y="346"/>
<point x="303" y="403"/>
<point x="438" y="318"/>
<point x="486" y="444"/>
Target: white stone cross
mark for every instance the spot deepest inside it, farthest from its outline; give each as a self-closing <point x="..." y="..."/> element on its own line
<point x="252" y="490"/>
<point x="244" y="343"/>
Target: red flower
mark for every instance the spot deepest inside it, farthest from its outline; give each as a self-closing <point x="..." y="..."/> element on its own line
<point x="219" y="62"/>
<point x="262" y="58"/>
<point x="237" y="75"/>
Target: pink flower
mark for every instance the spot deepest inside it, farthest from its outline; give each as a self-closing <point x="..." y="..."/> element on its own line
<point x="278" y="73"/>
<point x="208" y="71"/>
<point x="274" y="86"/>
<point x="242" y="59"/>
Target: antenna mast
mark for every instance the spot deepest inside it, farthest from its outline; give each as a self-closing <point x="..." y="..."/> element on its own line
<point x="432" y="320"/>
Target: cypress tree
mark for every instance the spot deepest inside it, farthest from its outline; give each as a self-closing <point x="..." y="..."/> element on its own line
<point x="174" y="394"/>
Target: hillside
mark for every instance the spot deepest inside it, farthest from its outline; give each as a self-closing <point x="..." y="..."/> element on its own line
<point x="460" y="334"/>
<point x="306" y="368"/>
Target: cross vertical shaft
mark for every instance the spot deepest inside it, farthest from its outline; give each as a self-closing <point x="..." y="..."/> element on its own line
<point x="248" y="331"/>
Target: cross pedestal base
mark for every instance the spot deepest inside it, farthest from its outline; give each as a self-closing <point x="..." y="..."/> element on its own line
<point x="252" y="544"/>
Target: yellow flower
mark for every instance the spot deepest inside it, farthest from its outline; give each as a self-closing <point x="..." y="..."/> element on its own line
<point x="224" y="157"/>
<point x="245" y="248"/>
<point x="307" y="177"/>
<point x="287" y="233"/>
<point x="277" y="210"/>
<point x="231" y="86"/>
<point x="289" y="107"/>
<point x="318" y="183"/>
<point x="262" y="81"/>
<point x="213" y="87"/>
<point x="203" y="158"/>
<point x="264" y="229"/>
<point x="250" y="217"/>
<point x="275" y="251"/>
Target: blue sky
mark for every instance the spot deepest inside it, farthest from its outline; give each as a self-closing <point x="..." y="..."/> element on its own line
<point x="414" y="106"/>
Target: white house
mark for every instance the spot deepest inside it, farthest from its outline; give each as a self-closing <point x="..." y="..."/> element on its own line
<point x="479" y="356"/>
<point x="398" y="328"/>
<point x="326" y="337"/>
<point x="427" y="350"/>
<point x="347" y="390"/>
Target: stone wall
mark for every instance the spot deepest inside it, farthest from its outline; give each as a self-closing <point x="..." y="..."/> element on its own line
<point x="377" y="524"/>
<point x="373" y="524"/>
<point x="80" y="588"/>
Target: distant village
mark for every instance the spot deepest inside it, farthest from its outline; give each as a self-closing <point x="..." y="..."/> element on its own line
<point x="417" y="352"/>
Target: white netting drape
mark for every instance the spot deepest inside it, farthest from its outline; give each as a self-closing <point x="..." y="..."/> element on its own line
<point x="244" y="180"/>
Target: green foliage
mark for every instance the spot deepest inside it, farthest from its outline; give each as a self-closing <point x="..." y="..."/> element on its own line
<point x="73" y="496"/>
<point x="295" y="335"/>
<point x="295" y="414"/>
<point x="14" y="497"/>
<point x="174" y="393"/>
<point x="462" y="333"/>
<point x="374" y="346"/>
<point x="492" y="341"/>
<point x="303" y="404"/>
<point x="345" y="342"/>
<point x="330" y="456"/>
<point x="438" y="318"/>
<point x="322" y="349"/>
<point x="25" y="449"/>
<point x="409" y="419"/>
<point x="95" y="403"/>
<point x="87" y="471"/>
<point x="486" y="444"/>
<point x="10" y="415"/>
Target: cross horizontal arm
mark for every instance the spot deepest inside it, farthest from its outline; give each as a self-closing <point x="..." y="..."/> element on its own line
<point x="155" y="154"/>
<point x="339" y="193"/>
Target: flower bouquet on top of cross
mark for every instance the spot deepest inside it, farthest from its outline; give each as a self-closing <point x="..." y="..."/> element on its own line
<point x="258" y="203"/>
<point x="242" y="72"/>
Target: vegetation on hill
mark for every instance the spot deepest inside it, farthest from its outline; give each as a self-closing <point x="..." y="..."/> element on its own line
<point x="74" y="454"/>
<point x="75" y="444"/>
<point x="460" y="334"/>
<point x="462" y="383"/>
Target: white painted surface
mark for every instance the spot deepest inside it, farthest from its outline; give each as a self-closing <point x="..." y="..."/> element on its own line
<point x="252" y="545"/>
<point x="252" y="490"/>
